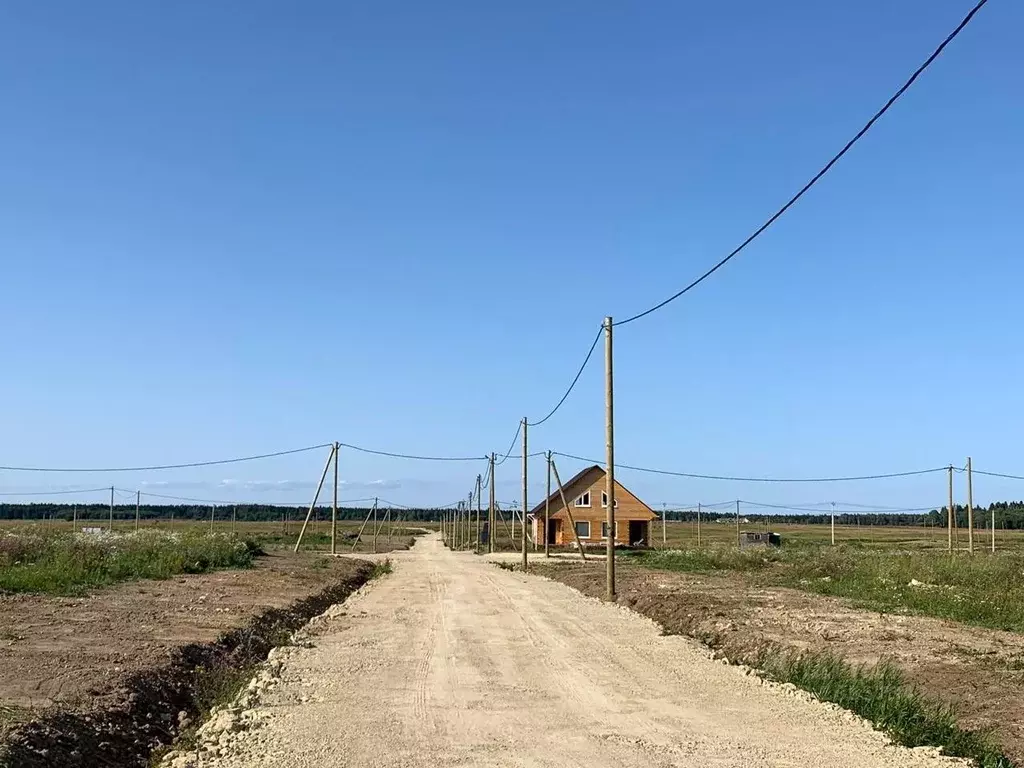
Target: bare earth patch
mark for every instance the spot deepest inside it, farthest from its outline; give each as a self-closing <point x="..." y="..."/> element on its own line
<point x="979" y="671"/>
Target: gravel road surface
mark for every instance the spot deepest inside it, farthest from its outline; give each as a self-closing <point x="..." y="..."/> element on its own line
<point x="451" y="661"/>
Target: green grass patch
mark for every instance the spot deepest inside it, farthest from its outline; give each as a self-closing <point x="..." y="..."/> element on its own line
<point x="881" y="696"/>
<point x="984" y="590"/>
<point x="69" y="563"/>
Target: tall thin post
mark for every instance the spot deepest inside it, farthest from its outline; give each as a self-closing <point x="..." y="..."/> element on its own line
<point x="469" y="518"/>
<point x="212" y="510"/>
<point x="609" y="431"/>
<point x="234" y="517"/>
<point x="479" y="509"/>
<point x="739" y="543"/>
<point x="664" y="535"/>
<point x="524" y="505"/>
<point x="698" y="524"/>
<point x="992" y="522"/>
<point x="970" y="508"/>
<point x="949" y="517"/>
<point x="110" y="525"/>
<point x="547" y="513"/>
<point x="374" y="523"/>
<point x="316" y="498"/>
<point x="833" y="523"/>
<point x="74" y="519"/>
<point x="334" y="505"/>
<point x="568" y="512"/>
<point x="490" y="510"/>
<point x="138" y="496"/>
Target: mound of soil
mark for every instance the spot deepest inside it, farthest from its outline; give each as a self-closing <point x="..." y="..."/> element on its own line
<point x="131" y="712"/>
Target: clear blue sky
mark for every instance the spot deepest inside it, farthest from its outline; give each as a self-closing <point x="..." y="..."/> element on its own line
<point x="236" y="227"/>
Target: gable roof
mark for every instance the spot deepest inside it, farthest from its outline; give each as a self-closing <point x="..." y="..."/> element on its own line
<point x="575" y="479"/>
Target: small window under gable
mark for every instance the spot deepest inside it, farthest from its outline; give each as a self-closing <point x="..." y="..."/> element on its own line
<point x="604" y="500"/>
<point x="584" y="500"/>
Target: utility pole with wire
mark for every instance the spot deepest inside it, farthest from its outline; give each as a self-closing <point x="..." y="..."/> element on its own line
<point x="334" y="505"/>
<point x="110" y="525"/>
<point x="525" y="563"/>
<point x="949" y="517"/>
<point x="547" y="513"/>
<point x="609" y="431"/>
<point x="479" y="505"/>
<point x="664" y="517"/>
<point x="138" y="496"/>
<point x="490" y="509"/>
<point x="739" y="543"/>
<point x="970" y="508"/>
<point x="833" y="523"/>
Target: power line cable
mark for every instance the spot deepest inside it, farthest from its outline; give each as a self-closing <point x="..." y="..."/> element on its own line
<point x="247" y="503"/>
<point x="407" y="455"/>
<point x="758" y="479"/>
<point x="573" y="385"/>
<point x="996" y="474"/>
<point x="828" y="166"/>
<point x="54" y="493"/>
<point x="154" y="468"/>
<point x="511" y="445"/>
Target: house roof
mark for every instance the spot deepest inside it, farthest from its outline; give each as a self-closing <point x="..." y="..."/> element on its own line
<point x="567" y="487"/>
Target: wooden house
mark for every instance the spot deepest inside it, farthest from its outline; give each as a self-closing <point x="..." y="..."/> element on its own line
<point x="588" y="505"/>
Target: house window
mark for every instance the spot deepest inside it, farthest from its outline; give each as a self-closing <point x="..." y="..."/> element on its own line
<point x="604" y="530"/>
<point x="584" y="500"/>
<point x="583" y="527"/>
<point x="604" y="500"/>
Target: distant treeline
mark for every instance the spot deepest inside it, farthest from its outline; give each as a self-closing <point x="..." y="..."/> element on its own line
<point x="243" y="512"/>
<point x="1009" y="515"/>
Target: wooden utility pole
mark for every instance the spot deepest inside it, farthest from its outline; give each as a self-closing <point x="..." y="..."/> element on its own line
<point x="316" y="498"/>
<point x="212" y="510"/>
<point x="74" y="519"/>
<point x="490" y="509"/>
<point x="609" y="431"/>
<point x="992" y="522"/>
<point x="739" y="544"/>
<point x="138" y="495"/>
<point x="525" y="563"/>
<point x="664" y="535"/>
<point x="970" y="508"/>
<point x="547" y="513"/>
<point x="374" y="523"/>
<point x="479" y="509"/>
<point x="698" y="524"/>
<point x="110" y="525"/>
<point x="833" y="523"/>
<point x="334" y="505"/>
<point x="949" y="517"/>
<point x="568" y="511"/>
<point x="234" y="517"/>
<point x="363" y="528"/>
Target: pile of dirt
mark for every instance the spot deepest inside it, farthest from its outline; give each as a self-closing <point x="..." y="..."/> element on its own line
<point x="979" y="672"/>
<point x="145" y="709"/>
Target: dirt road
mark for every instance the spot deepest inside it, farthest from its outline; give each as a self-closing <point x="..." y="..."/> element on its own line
<point x="452" y="661"/>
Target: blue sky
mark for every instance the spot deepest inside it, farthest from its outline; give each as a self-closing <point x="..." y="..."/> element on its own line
<point x="239" y="227"/>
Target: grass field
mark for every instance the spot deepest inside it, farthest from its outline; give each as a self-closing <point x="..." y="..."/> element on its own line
<point x="893" y="570"/>
<point x="50" y="557"/>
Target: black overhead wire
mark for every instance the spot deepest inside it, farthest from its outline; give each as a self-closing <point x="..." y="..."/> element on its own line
<point x="409" y="456"/>
<point x="827" y="167"/>
<point x="54" y="493"/>
<point x="696" y="476"/>
<point x="167" y="466"/>
<point x="996" y="474"/>
<point x="505" y="456"/>
<point x="571" y="386"/>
